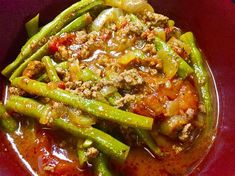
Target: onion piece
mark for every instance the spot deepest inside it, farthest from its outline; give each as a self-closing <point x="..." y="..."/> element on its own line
<point x="106" y="16"/>
<point x="170" y="65"/>
<point x="132" y="6"/>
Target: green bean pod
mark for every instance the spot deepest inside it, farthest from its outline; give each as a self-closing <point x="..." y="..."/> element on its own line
<point x="93" y="107"/>
<point x="200" y="71"/>
<point x="51" y="71"/>
<point x="7" y="122"/>
<point x="77" y="24"/>
<point x="148" y="140"/>
<point x="183" y="68"/>
<point x="32" y="26"/>
<point x="100" y="166"/>
<point x="104" y="142"/>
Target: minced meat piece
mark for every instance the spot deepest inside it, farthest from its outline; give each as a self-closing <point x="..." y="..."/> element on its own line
<point x="92" y="152"/>
<point x="16" y="91"/>
<point x="131" y="77"/>
<point x="185" y="133"/>
<point x="34" y="69"/>
<point x="125" y="100"/>
<point x="154" y="19"/>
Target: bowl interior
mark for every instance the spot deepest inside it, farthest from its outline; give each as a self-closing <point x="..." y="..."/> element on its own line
<point x="211" y="21"/>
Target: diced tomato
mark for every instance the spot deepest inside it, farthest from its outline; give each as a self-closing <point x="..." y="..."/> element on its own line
<point x="124" y="23"/>
<point x="188" y="97"/>
<point x="150" y="106"/>
<point x="61" y="85"/>
<point x="54" y="46"/>
<point x="173" y="91"/>
<point x="65" y="40"/>
<point x="48" y="164"/>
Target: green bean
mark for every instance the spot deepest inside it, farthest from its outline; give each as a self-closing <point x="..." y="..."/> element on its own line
<point x="62" y="65"/>
<point x="184" y="69"/>
<point x="80" y="23"/>
<point x="51" y="71"/>
<point x="103" y="141"/>
<point x="7" y="122"/>
<point x="32" y="26"/>
<point x="145" y="136"/>
<point x="82" y="156"/>
<point x="200" y="72"/>
<point x="81" y="151"/>
<point x="50" y="29"/>
<point x="93" y="107"/>
<point x="43" y="78"/>
<point x="100" y="166"/>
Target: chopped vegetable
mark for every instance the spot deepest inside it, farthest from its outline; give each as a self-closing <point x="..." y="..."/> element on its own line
<point x="104" y="142"/>
<point x="106" y="16"/>
<point x="130" y="56"/>
<point x="51" y="72"/>
<point x="93" y="107"/>
<point x="200" y="71"/>
<point x="78" y="24"/>
<point x="50" y="29"/>
<point x="7" y="123"/>
<point x="133" y="6"/>
<point x="32" y="26"/>
<point x="183" y="68"/>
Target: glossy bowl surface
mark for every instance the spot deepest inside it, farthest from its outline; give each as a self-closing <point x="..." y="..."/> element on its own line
<point x="213" y="23"/>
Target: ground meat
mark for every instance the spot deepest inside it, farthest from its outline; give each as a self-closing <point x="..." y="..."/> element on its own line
<point x="131" y="77"/>
<point x="81" y="37"/>
<point x="92" y="152"/>
<point x="177" y="149"/>
<point x="16" y="91"/>
<point x="185" y="133"/>
<point x="154" y="19"/>
<point x="190" y="112"/>
<point x="61" y="73"/>
<point x="63" y="53"/>
<point x="125" y="100"/>
<point x="34" y="69"/>
<point x="178" y="47"/>
<point x="150" y="49"/>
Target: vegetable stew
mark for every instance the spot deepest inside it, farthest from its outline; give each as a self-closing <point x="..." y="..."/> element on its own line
<point x="109" y="88"/>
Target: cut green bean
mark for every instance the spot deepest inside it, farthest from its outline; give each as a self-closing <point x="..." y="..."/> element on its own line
<point x="145" y="136"/>
<point x="62" y="65"/>
<point x="7" y="122"/>
<point x="50" y="29"/>
<point x="100" y="166"/>
<point x="93" y="107"/>
<point x="200" y="72"/>
<point x="43" y="78"/>
<point x="183" y="68"/>
<point x="80" y="23"/>
<point x="51" y="71"/>
<point x="81" y="151"/>
<point x="32" y="26"/>
<point x="104" y="142"/>
<point x="82" y="157"/>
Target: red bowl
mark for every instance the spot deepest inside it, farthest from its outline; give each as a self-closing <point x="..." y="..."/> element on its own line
<point x="214" y="26"/>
